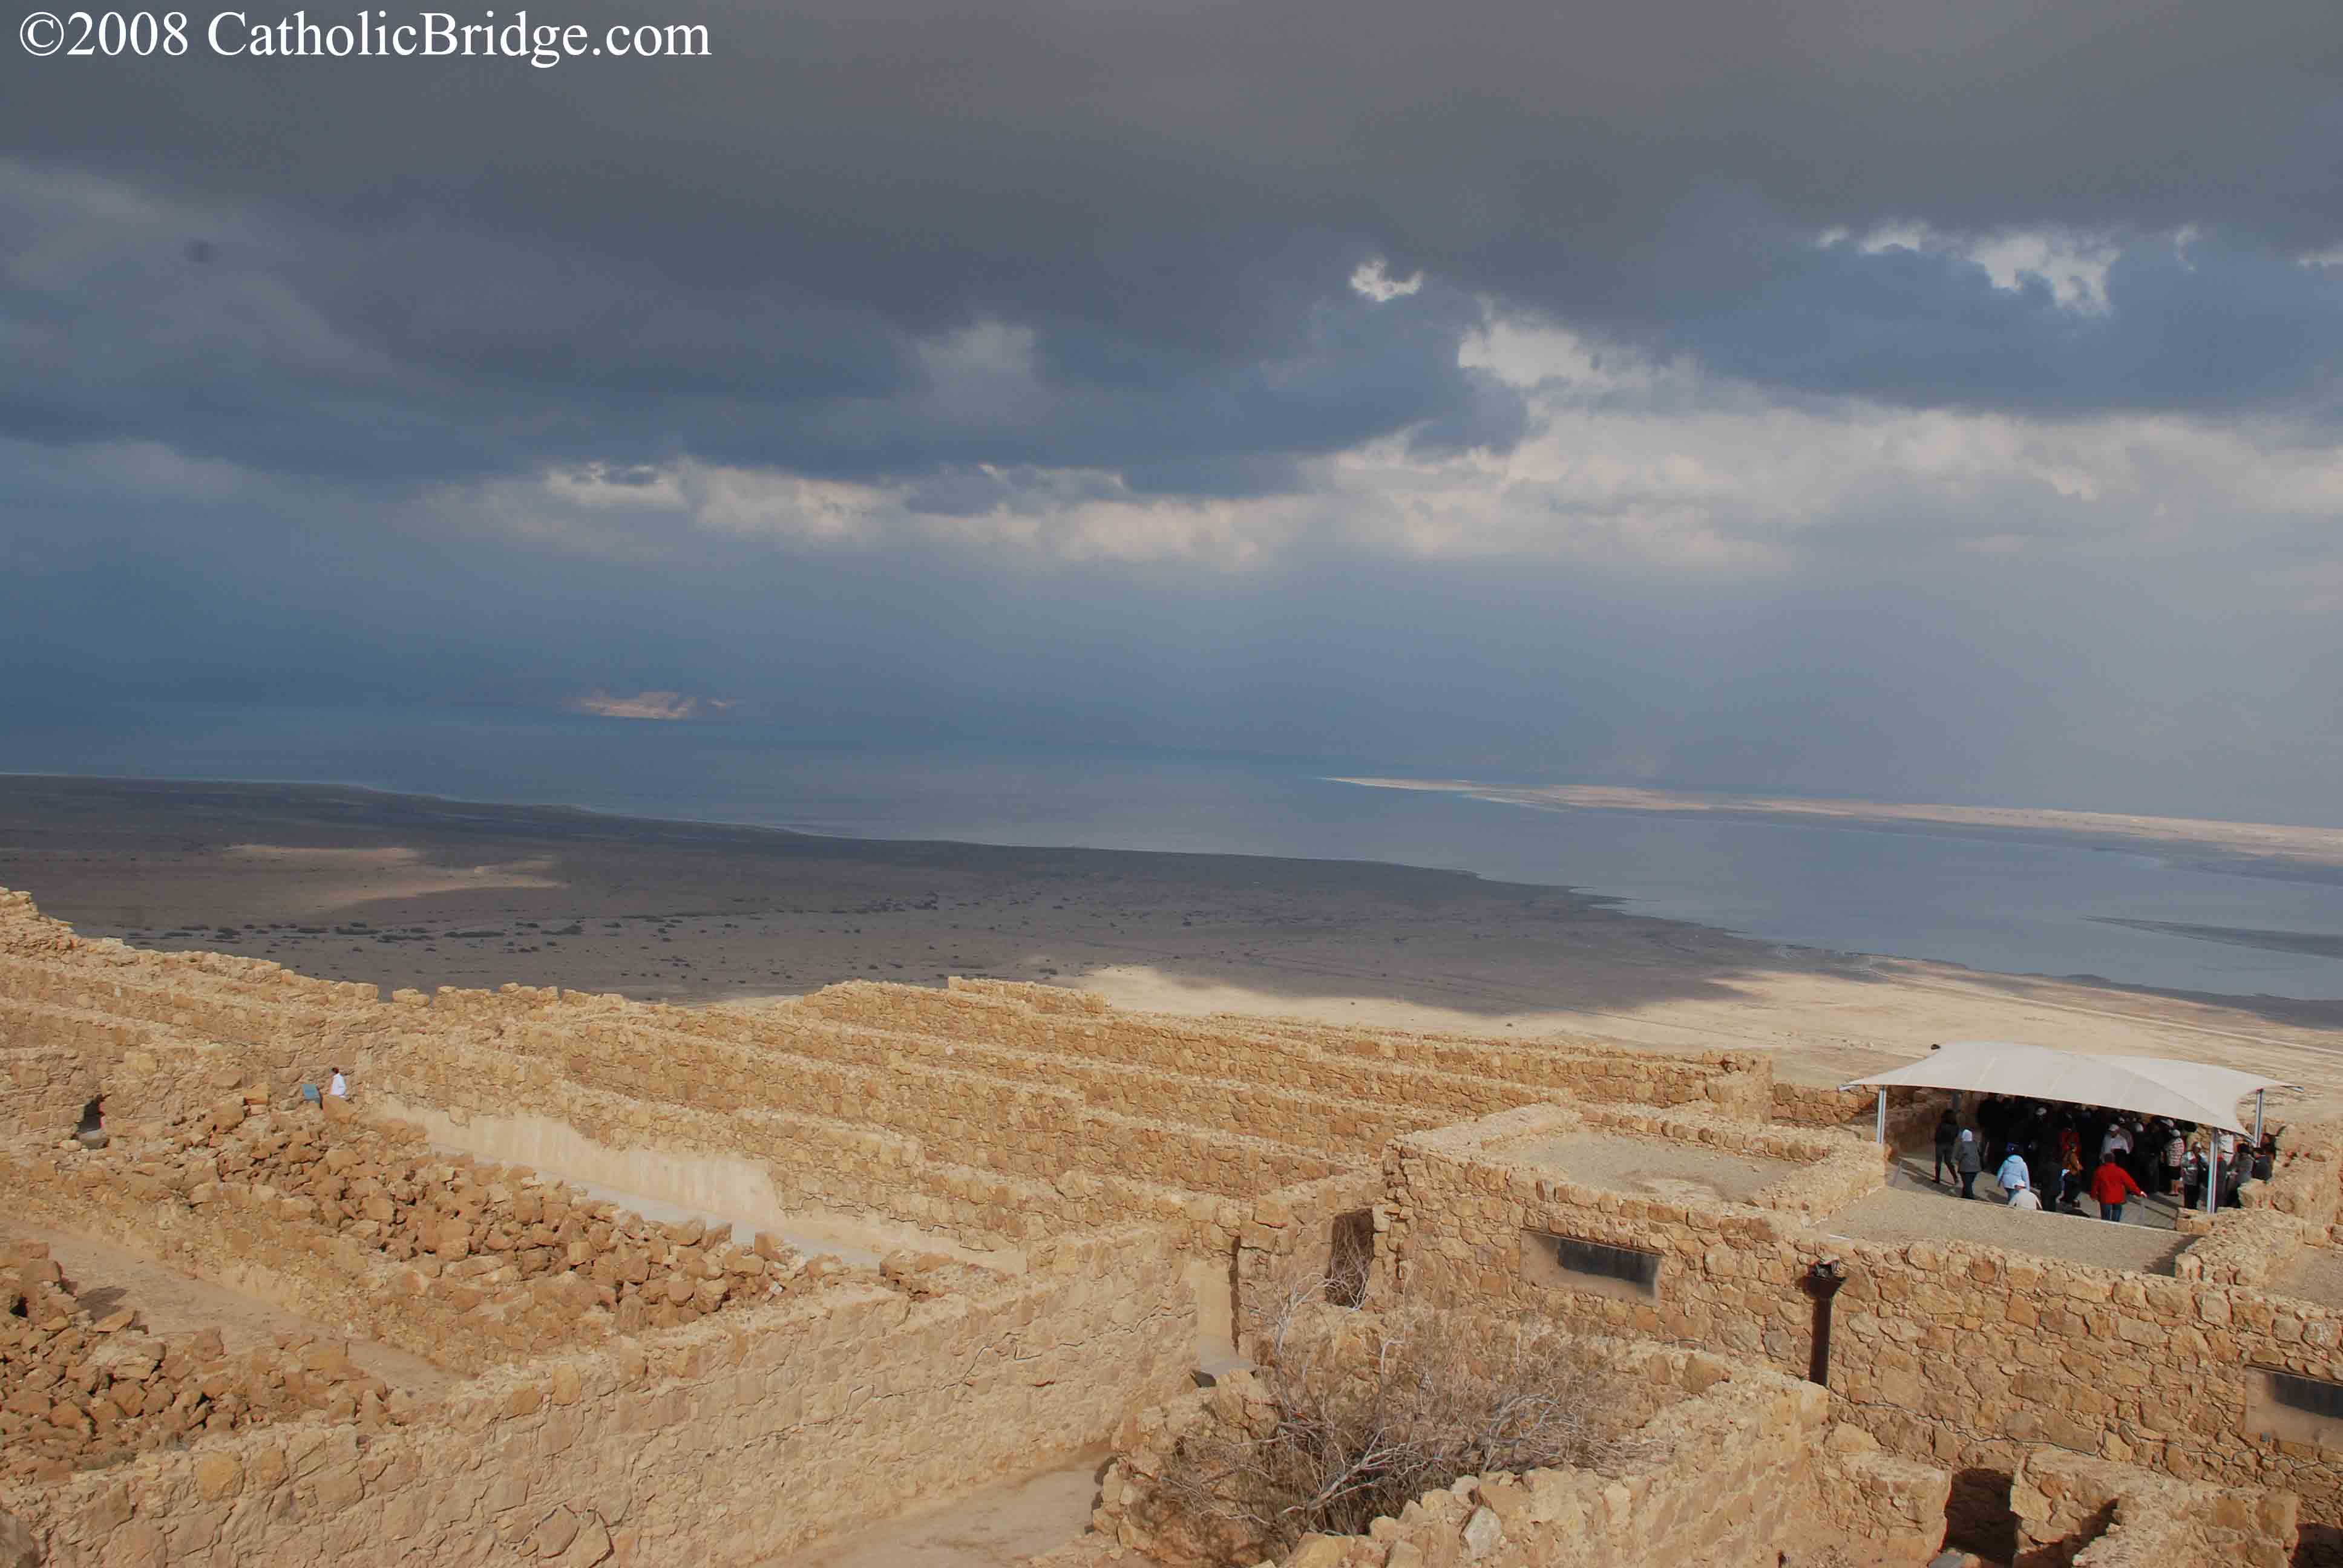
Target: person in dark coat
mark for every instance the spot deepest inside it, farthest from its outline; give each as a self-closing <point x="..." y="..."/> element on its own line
<point x="1948" y="1132"/>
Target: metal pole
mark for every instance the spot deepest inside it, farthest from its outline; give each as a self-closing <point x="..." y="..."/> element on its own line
<point x="1823" y="1281"/>
<point x="2212" y="1171"/>
<point x="2258" y="1094"/>
<point x="1883" y="1116"/>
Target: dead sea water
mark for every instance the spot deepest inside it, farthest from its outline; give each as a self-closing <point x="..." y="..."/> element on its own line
<point x="1992" y="903"/>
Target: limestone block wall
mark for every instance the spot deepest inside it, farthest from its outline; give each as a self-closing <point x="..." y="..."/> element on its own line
<point x="459" y="1310"/>
<point x="1733" y="1464"/>
<point x="1578" y="1067"/>
<point x="2307" y="1183"/>
<point x="2075" y="1510"/>
<point x="729" y="1441"/>
<point x="1452" y="1076"/>
<point x="2246" y="1247"/>
<point x="1964" y="1354"/>
<point x="1911" y="1113"/>
<point x="45" y="1087"/>
<point x="1288" y="1242"/>
<point x="1347" y="1123"/>
<point x="1033" y="1129"/>
<point x="1833" y="1172"/>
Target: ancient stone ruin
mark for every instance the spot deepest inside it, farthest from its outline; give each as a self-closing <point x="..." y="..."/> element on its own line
<point x="966" y="1232"/>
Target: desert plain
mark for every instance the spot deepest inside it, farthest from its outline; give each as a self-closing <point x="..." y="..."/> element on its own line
<point x="409" y="890"/>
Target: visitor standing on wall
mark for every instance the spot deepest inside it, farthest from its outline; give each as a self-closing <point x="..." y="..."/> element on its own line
<point x="2113" y="1186"/>
<point x="1968" y="1159"/>
<point x="1948" y="1132"/>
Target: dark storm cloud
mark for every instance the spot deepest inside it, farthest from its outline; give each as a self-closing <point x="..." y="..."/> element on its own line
<point x="432" y="356"/>
<point x="288" y="350"/>
<point x="440" y="267"/>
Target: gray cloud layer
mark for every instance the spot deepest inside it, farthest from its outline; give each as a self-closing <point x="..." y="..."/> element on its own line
<point x="1074" y="279"/>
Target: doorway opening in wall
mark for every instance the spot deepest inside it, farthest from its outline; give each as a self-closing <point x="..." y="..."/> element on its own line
<point x="92" y="1127"/>
<point x="1350" y="1257"/>
<point x="1979" y="1517"/>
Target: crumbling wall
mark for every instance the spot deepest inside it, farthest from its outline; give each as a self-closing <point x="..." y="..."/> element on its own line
<point x="729" y="1441"/>
<point x="1730" y="1464"/>
<point x="2073" y="1509"/>
<point x="467" y="1268"/>
<point x="81" y="1386"/>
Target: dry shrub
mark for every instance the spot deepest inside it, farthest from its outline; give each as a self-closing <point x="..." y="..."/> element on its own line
<point x="1350" y="1416"/>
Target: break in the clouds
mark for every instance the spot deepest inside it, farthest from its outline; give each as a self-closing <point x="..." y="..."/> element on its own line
<point x="1342" y="335"/>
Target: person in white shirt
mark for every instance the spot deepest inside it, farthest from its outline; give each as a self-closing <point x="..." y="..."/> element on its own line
<point x="340" y="1088"/>
<point x="2014" y="1176"/>
<point x="2024" y="1198"/>
<point x="2119" y="1138"/>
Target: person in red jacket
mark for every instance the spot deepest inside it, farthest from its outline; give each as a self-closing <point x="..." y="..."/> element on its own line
<point x="2112" y="1185"/>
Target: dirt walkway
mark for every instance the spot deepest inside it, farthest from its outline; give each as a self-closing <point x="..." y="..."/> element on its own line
<point x="994" y="1529"/>
<point x="107" y="1277"/>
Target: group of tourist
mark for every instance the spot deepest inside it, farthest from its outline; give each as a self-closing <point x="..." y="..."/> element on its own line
<point x="2047" y="1152"/>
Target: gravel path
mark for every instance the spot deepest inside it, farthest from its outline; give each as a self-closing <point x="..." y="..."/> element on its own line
<point x="1897" y="1216"/>
<point x="1914" y="1172"/>
<point x="996" y="1528"/>
<point x="1650" y="1168"/>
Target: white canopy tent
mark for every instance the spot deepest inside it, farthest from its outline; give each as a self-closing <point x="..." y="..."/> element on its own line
<point x="2151" y="1085"/>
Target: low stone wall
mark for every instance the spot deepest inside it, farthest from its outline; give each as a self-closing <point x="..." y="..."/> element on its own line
<point x="1831" y="1173"/>
<point x="2308" y="1182"/>
<point x="1802" y="1105"/>
<point x="729" y="1441"/>
<point x="533" y="1060"/>
<point x="44" y="1089"/>
<point x="1911" y="1113"/>
<point x="1445" y="1076"/>
<point x="1731" y="1464"/>
<point x="1288" y="1243"/>
<point x="2075" y="1510"/>
<point x="2246" y="1247"/>
<point x="1964" y="1354"/>
<point x="81" y="1386"/>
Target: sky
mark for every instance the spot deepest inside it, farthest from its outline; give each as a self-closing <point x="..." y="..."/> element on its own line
<point x="1926" y="401"/>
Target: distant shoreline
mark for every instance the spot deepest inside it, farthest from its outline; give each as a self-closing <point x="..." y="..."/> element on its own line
<point x="2269" y="849"/>
<point x="403" y="889"/>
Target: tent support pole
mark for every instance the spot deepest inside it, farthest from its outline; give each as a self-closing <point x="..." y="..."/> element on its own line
<point x="2258" y="1096"/>
<point x="2212" y="1170"/>
<point x="1882" y="1134"/>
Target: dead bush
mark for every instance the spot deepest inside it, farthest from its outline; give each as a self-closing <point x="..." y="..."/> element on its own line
<point x="1350" y="1416"/>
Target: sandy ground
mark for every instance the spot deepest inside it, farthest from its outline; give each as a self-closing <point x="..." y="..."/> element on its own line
<point x="996" y="1528"/>
<point x="107" y="1277"/>
<point x="2316" y="1276"/>
<point x="2293" y="849"/>
<point x="1678" y="1173"/>
<point x="409" y="891"/>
